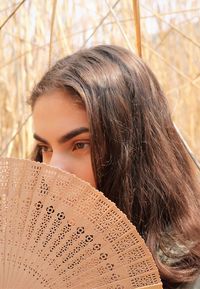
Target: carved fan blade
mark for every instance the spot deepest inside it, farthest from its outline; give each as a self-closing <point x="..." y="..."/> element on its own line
<point x="57" y="231"/>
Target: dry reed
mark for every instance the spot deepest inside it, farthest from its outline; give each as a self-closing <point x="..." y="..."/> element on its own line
<point x="36" y="33"/>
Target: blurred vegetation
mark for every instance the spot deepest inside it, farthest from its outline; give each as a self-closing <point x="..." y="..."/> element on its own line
<point x="34" y="34"/>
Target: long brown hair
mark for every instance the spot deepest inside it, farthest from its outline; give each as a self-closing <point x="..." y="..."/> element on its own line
<point x="138" y="158"/>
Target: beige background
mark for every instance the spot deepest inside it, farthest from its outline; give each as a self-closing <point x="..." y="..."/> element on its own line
<point x="36" y="33"/>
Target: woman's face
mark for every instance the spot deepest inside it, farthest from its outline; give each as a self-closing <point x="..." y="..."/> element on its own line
<point x="61" y="131"/>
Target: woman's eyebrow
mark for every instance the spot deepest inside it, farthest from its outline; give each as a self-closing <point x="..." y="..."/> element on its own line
<point x="72" y="134"/>
<point x="39" y="138"/>
<point x="65" y="137"/>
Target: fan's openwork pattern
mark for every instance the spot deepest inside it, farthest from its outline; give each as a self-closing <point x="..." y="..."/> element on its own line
<point x="56" y="231"/>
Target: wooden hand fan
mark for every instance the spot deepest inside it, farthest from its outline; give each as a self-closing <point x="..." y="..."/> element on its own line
<point x="58" y="232"/>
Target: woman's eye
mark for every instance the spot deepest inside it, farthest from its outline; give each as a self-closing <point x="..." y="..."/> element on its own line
<point x="44" y="149"/>
<point x="80" y="145"/>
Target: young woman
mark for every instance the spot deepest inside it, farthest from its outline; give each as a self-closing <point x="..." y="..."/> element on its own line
<point x="101" y="114"/>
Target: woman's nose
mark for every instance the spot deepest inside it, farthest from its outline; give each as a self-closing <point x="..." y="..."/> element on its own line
<point x="60" y="161"/>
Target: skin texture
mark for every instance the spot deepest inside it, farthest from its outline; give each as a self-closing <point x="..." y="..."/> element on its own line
<point x="56" y="115"/>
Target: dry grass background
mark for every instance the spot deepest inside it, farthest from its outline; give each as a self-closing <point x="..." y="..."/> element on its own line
<point x="35" y="33"/>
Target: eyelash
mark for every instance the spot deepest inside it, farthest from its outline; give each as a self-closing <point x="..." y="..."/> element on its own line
<point x="79" y="143"/>
<point x="44" y="148"/>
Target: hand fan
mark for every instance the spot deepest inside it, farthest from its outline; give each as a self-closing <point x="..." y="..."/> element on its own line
<point x="57" y="231"/>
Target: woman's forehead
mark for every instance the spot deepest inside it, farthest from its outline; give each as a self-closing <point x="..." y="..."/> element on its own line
<point x="59" y="113"/>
